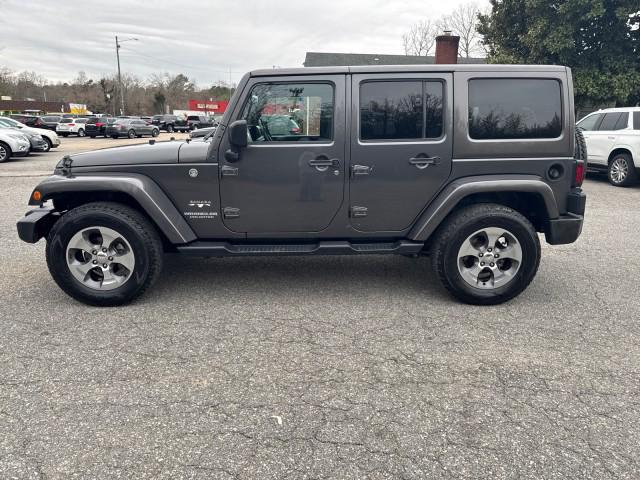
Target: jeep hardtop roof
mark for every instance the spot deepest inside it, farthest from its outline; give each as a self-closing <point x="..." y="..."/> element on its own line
<point x="406" y="68"/>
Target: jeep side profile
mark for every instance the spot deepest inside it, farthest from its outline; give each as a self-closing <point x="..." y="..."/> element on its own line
<point x="464" y="163"/>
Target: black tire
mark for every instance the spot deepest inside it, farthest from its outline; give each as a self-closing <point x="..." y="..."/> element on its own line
<point x="155" y="132"/>
<point x="170" y="128"/>
<point x="48" y="142"/>
<point x="5" y="152"/>
<point x="135" y="227"/>
<point x="462" y="224"/>
<point x="115" y="136"/>
<point x="92" y="136"/>
<point x="64" y="135"/>
<point x="131" y="133"/>
<point x="622" y="160"/>
<point x="81" y="132"/>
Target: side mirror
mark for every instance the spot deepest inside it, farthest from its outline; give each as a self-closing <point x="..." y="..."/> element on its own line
<point x="238" y="133"/>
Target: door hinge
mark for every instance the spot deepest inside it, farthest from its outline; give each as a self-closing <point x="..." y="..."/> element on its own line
<point x="230" y="212"/>
<point x="359" y="211"/>
<point x="228" y="171"/>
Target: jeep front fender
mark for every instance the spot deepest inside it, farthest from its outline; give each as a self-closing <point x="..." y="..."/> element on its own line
<point x="142" y="189"/>
<point x="457" y="190"/>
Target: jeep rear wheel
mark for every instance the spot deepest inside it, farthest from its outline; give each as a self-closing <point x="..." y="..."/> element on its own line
<point x="104" y="254"/>
<point x="486" y="254"/>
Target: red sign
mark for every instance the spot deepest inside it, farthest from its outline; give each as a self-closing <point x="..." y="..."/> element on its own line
<point x="208" y="106"/>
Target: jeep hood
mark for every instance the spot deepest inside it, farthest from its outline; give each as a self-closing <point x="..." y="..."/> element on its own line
<point x="159" y="152"/>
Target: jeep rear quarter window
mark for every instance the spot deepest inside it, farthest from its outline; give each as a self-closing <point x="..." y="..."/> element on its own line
<point x="299" y="112"/>
<point x="400" y="110"/>
<point x="514" y="108"/>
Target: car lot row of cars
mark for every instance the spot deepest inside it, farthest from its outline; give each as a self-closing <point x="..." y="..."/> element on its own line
<point x="18" y="139"/>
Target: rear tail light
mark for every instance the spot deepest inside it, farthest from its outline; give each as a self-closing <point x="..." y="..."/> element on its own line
<point x="99" y="124"/>
<point x="71" y="124"/>
<point x="580" y="173"/>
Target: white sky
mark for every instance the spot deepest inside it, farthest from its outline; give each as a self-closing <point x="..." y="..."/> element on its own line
<point x="202" y="39"/>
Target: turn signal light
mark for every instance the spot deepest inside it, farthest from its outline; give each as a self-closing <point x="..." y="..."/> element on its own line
<point x="36" y="195"/>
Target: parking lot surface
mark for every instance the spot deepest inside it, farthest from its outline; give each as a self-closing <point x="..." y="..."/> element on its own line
<point x="334" y="367"/>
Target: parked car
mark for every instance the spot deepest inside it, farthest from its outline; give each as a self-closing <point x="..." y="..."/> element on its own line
<point x="36" y="141"/>
<point x="166" y="122"/>
<point x="97" y="126"/>
<point x="13" y="143"/>
<point x="48" y="121"/>
<point x="28" y="120"/>
<point x="194" y="122"/>
<point x="72" y="126"/>
<point x="613" y="143"/>
<point x="280" y="125"/>
<point x="487" y="157"/>
<point x="132" y="128"/>
<point x="51" y="138"/>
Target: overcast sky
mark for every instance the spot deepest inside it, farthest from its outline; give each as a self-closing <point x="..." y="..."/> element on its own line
<point x="202" y="39"/>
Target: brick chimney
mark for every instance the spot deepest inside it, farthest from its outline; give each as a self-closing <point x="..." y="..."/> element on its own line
<point x="447" y="48"/>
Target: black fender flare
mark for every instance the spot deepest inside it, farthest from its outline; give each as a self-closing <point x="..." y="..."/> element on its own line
<point x="452" y="194"/>
<point x="145" y="191"/>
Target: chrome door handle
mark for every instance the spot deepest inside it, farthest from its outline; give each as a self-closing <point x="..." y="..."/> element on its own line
<point x="322" y="163"/>
<point x="424" y="162"/>
<point x="357" y="170"/>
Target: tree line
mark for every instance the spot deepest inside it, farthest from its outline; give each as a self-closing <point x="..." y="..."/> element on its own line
<point x="598" y="39"/>
<point x="159" y="94"/>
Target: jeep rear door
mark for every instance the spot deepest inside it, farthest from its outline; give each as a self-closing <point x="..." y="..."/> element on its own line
<point x="401" y="146"/>
<point x="288" y="179"/>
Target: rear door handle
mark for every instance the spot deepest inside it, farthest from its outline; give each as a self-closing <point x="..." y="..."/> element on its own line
<point x="424" y="162"/>
<point x="357" y="170"/>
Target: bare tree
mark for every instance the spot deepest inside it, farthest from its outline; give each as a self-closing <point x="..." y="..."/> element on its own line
<point x="462" y="22"/>
<point x="420" y="39"/>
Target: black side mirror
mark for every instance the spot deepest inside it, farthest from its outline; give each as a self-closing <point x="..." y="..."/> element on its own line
<point x="238" y="133"/>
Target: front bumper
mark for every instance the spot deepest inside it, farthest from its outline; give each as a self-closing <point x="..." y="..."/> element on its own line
<point x="36" y="223"/>
<point x="567" y="228"/>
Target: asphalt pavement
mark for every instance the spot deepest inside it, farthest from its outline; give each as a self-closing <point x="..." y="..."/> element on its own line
<point x="323" y="367"/>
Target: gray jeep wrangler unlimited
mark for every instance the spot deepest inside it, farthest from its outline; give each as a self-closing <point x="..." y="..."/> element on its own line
<point x="465" y="163"/>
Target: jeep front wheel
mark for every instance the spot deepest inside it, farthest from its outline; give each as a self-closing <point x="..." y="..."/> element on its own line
<point x="486" y="254"/>
<point x="104" y="254"/>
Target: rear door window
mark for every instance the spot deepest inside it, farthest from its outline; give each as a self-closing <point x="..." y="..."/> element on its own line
<point x="401" y="110"/>
<point x="591" y="122"/>
<point x="609" y="121"/>
<point x="636" y="120"/>
<point x="622" y="122"/>
<point x="514" y="108"/>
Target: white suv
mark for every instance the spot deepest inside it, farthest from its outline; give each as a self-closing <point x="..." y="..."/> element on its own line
<point x="67" y="126"/>
<point x="613" y="143"/>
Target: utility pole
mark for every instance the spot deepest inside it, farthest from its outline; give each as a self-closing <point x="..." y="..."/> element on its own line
<point x="119" y="74"/>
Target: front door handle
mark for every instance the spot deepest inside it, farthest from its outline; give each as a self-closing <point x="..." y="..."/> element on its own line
<point x="323" y="163"/>
<point x="424" y="162"/>
<point x="227" y="171"/>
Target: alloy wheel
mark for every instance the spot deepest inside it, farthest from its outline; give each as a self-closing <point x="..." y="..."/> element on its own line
<point x="489" y="258"/>
<point x="100" y="258"/>
<point x="619" y="170"/>
<point x="3" y="153"/>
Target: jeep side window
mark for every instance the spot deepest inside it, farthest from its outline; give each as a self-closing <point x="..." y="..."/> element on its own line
<point x="514" y="108"/>
<point x="400" y="110"/>
<point x="591" y="122"/>
<point x="285" y="112"/>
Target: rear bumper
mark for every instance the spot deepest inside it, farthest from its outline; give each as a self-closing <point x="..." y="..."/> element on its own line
<point x="567" y="228"/>
<point x="36" y="224"/>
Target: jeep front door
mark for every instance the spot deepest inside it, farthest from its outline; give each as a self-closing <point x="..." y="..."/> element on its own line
<point x="290" y="176"/>
<point x="401" y="147"/>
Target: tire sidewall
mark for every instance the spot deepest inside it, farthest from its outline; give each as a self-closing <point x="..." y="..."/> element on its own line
<point x="7" y="152"/>
<point x="57" y="250"/>
<point x="630" y="166"/>
<point x="81" y="132"/>
<point x="130" y="134"/>
<point x="530" y="260"/>
<point x="48" y="142"/>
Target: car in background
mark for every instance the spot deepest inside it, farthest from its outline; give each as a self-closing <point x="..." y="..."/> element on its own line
<point x="192" y="122"/>
<point x="132" y="128"/>
<point x="25" y="119"/>
<point x="13" y="143"/>
<point x="167" y="122"/>
<point x="36" y="141"/>
<point x="279" y="125"/>
<point x="97" y="126"/>
<point x="51" y="138"/>
<point x="48" y="121"/>
<point x="72" y="126"/>
<point x="612" y="136"/>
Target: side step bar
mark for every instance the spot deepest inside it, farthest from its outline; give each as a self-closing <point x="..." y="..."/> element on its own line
<point x="331" y="247"/>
